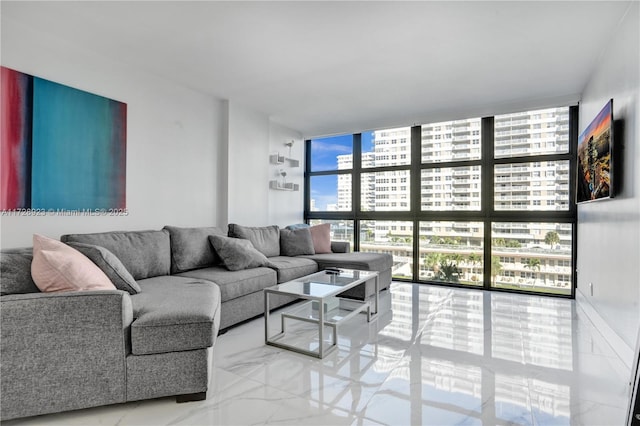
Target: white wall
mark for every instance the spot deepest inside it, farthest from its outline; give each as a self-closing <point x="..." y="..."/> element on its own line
<point x="609" y="231"/>
<point x="251" y="138"/>
<point x="248" y="166"/>
<point x="174" y="138"/>
<point x="286" y="207"/>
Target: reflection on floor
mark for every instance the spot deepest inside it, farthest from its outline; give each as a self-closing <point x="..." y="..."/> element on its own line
<point x="434" y="356"/>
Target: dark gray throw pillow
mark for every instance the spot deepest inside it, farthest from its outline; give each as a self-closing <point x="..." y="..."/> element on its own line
<point x="265" y="239"/>
<point x="237" y="253"/>
<point x="110" y="265"/>
<point x="296" y="242"/>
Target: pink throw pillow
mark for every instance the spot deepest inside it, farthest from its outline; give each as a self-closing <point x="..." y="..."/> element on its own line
<point x="58" y="267"/>
<point x="321" y="236"/>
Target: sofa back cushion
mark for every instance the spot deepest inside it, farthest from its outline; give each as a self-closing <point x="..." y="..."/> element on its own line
<point x="190" y="248"/>
<point x="143" y="253"/>
<point x="265" y="239"/>
<point x="15" y="272"/>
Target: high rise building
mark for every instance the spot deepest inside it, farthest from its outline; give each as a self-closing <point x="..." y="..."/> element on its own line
<point x="522" y="251"/>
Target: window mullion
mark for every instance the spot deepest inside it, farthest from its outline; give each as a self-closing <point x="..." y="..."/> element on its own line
<point x="415" y="195"/>
<point x="486" y="195"/>
<point x="356" y="200"/>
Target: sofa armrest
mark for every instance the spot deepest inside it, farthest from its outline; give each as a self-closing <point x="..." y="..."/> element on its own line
<point x="63" y="351"/>
<point x="340" y="247"/>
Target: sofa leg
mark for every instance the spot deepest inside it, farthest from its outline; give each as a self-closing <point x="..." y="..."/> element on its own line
<point x="200" y="396"/>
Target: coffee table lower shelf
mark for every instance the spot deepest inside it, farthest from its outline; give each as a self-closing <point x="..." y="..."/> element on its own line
<point x="308" y="312"/>
<point x="322" y="307"/>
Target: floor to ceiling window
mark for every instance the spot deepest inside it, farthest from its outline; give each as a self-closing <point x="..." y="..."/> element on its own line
<point x="482" y="202"/>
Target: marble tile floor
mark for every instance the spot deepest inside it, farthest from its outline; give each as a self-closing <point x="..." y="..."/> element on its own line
<point x="434" y="356"/>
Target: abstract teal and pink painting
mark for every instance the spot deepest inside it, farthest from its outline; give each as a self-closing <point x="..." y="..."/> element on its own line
<point x="61" y="148"/>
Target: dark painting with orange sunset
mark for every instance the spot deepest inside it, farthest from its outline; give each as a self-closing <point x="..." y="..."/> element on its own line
<point x="594" y="158"/>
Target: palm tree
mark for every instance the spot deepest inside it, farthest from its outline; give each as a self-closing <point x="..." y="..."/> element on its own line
<point x="533" y="264"/>
<point x="496" y="268"/>
<point x="432" y="261"/>
<point x="474" y="259"/>
<point x="552" y="238"/>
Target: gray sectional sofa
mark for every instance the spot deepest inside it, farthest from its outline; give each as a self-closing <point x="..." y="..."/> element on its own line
<point x="72" y="350"/>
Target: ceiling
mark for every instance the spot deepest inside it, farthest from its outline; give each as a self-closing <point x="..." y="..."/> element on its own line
<point x="332" y="67"/>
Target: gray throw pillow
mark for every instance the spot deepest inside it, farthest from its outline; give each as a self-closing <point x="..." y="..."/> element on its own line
<point x="265" y="239"/>
<point x="15" y="272"/>
<point x="237" y="253"/>
<point x="110" y="265"/>
<point x="296" y="242"/>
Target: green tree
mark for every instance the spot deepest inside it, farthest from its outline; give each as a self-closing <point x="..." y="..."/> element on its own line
<point x="552" y="238"/>
<point x="432" y="261"/>
<point x="496" y="268"/>
<point x="533" y="264"/>
<point x="499" y="242"/>
<point x="474" y="259"/>
<point x="513" y="243"/>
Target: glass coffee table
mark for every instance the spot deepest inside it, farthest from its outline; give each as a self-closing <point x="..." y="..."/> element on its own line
<point x="323" y="306"/>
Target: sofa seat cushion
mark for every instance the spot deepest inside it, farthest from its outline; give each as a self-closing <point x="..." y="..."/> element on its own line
<point x="290" y="268"/>
<point x="354" y="260"/>
<point x="174" y="314"/>
<point x="143" y="253"/>
<point x="234" y="284"/>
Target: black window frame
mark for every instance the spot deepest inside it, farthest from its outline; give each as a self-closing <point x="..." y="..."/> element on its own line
<point x="487" y="213"/>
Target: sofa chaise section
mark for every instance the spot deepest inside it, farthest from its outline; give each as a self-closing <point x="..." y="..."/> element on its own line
<point x="174" y="314"/>
<point x="175" y="320"/>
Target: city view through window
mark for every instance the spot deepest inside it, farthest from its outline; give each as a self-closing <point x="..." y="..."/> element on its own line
<point x="491" y="206"/>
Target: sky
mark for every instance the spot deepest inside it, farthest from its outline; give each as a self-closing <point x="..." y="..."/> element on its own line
<point x="324" y="153"/>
